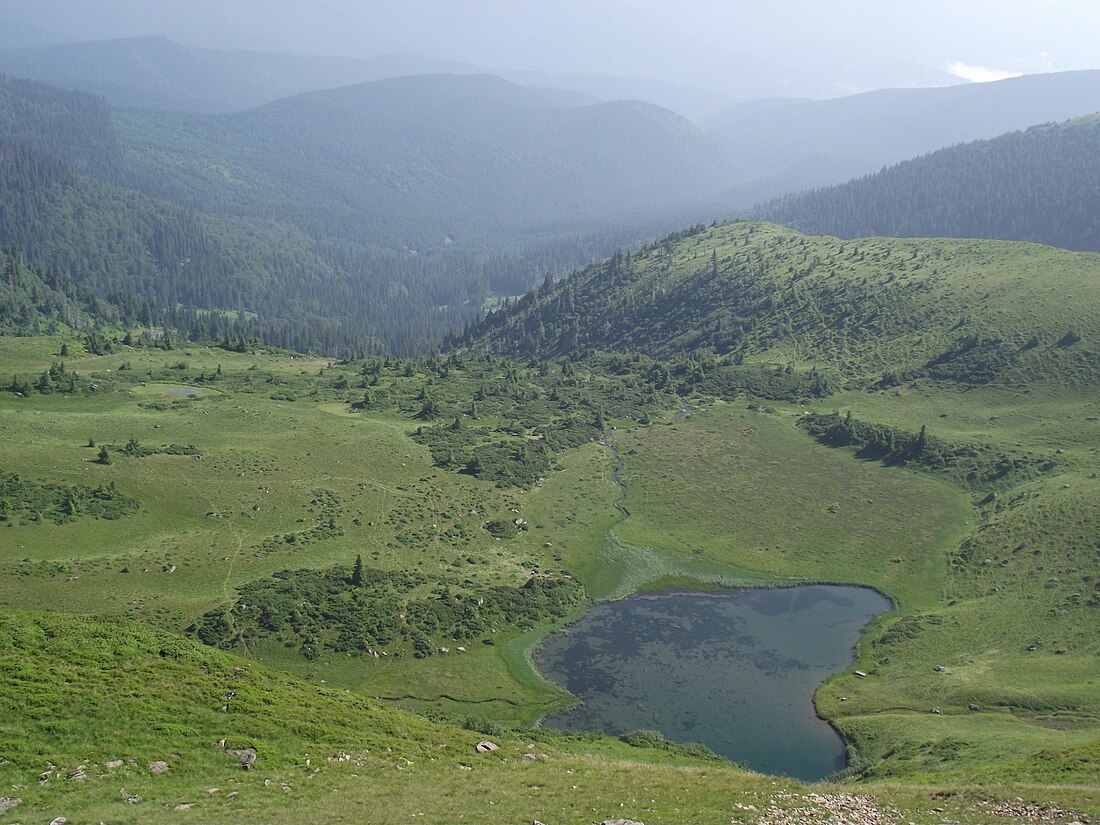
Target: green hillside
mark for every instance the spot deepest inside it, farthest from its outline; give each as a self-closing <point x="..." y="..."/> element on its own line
<point x="869" y="311"/>
<point x="1039" y="185"/>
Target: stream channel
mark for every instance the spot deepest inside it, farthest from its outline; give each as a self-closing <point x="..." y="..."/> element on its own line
<point x="734" y="670"/>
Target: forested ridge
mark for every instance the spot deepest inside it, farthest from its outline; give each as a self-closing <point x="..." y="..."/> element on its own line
<point x="299" y="224"/>
<point x="1041" y="185"/>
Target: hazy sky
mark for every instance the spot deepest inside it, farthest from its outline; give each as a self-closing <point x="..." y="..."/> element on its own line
<point x="781" y="46"/>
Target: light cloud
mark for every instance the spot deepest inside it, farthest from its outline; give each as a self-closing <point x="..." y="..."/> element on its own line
<point x="978" y="74"/>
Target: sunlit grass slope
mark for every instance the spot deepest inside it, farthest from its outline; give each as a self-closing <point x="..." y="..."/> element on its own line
<point x="92" y="704"/>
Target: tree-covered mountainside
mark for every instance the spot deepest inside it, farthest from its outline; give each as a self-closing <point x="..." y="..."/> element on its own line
<point x="422" y="163"/>
<point x="783" y="148"/>
<point x="872" y="310"/>
<point x="376" y="216"/>
<point x="72" y="127"/>
<point x="38" y="302"/>
<point x="1040" y="185"/>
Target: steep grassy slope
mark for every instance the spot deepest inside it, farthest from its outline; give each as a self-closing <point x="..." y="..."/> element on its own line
<point x="1040" y="185"/>
<point x="869" y="310"/>
<point x="92" y="704"/>
<point x="82" y="693"/>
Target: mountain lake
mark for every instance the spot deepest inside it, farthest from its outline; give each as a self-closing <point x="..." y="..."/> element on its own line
<point x="735" y="670"/>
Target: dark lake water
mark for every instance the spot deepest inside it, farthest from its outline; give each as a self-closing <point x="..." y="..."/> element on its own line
<point x="735" y="671"/>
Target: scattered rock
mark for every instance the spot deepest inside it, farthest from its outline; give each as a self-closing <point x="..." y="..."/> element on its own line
<point x="246" y="757"/>
<point x="465" y="768"/>
<point x="232" y="797"/>
<point x="114" y="764"/>
<point x="77" y="776"/>
<point x="485" y="746"/>
<point x="183" y="806"/>
<point x="287" y="789"/>
<point x="839" y="808"/>
<point x="133" y="800"/>
<point x="1030" y="812"/>
<point x="1032" y="648"/>
<point x="1061" y="650"/>
<point x="861" y="674"/>
<point x="621" y="822"/>
<point x="8" y="803"/>
<point x="529" y="757"/>
<point x="973" y="708"/>
<point x="158" y="767"/>
<point x="212" y="790"/>
<point x="937" y="711"/>
<point x="939" y="669"/>
<point x="59" y="821"/>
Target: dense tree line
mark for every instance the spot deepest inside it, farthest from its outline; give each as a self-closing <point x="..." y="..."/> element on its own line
<point x="366" y="611"/>
<point x="972" y="464"/>
<point x="23" y="501"/>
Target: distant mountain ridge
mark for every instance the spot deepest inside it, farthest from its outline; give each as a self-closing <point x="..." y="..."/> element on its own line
<point x="1040" y="185"/>
<point x="781" y="147"/>
<point x="157" y="73"/>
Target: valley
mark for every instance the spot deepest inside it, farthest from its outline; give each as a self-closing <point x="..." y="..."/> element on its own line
<point x="481" y="434"/>
<point x="251" y="463"/>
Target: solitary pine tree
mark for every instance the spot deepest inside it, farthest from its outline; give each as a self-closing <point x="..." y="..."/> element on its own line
<point x="357" y="571"/>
